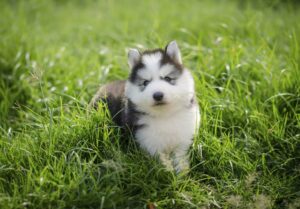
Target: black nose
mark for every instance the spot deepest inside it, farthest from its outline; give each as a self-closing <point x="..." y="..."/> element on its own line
<point x="158" y="96"/>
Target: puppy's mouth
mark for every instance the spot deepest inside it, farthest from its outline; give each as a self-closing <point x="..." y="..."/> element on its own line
<point x="160" y="103"/>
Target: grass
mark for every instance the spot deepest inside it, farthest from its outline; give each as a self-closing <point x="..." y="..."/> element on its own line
<point x="245" y="59"/>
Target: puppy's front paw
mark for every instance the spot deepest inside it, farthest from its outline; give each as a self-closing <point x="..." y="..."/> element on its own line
<point x="182" y="166"/>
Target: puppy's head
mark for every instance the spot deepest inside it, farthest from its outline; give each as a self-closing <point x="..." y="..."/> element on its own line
<point x="158" y="82"/>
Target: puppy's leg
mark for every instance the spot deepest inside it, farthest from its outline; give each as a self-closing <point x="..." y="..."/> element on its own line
<point x="166" y="161"/>
<point x="181" y="160"/>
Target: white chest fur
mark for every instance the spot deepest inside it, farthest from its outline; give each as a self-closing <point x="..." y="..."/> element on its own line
<point x="170" y="133"/>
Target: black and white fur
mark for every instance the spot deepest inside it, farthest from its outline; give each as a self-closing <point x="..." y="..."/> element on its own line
<point x="157" y="103"/>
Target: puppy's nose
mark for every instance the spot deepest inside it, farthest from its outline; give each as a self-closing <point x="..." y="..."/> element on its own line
<point x="158" y="96"/>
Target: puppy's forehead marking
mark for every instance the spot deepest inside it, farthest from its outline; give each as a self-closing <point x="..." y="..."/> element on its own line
<point x="152" y="62"/>
<point x="166" y="69"/>
<point x="151" y="59"/>
<point x="143" y="73"/>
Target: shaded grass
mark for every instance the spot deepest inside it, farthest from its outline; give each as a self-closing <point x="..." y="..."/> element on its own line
<point x="245" y="61"/>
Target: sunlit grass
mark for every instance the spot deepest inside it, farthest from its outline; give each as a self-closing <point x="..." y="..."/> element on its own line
<point x="244" y="56"/>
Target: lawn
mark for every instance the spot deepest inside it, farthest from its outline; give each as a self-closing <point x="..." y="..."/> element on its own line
<point x="244" y="56"/>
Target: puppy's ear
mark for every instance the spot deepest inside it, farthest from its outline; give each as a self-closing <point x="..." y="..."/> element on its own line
<point x="172" y="50"/>
<point x="134" y="57"/>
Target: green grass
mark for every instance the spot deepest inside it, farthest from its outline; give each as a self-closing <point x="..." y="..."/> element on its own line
<point x="245" y="58"/>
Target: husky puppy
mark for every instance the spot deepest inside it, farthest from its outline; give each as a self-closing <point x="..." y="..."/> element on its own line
<point x="157" y="103"/>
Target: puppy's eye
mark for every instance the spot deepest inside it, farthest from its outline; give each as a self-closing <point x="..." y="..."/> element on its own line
<point x="168" y="79"/>
<point x="146" y="82"/>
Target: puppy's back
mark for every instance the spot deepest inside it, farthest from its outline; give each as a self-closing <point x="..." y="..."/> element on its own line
<point x="113" y="95"/>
